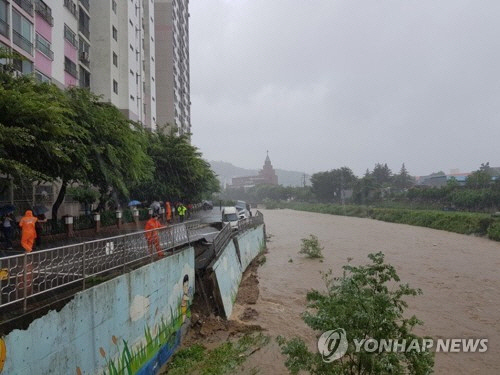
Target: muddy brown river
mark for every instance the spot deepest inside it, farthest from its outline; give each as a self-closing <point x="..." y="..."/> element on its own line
<point x="459" y="276"/>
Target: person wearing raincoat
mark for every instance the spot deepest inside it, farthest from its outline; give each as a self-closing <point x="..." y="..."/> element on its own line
<point x="28" y="232"/>
<point x="168" y="210"/>
<point x="152" y="236"/>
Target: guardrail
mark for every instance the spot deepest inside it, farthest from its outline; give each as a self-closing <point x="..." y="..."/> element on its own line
<point x="251" y="222"/>
<point x="32" y="274"/>
<point x="221" y="240"/>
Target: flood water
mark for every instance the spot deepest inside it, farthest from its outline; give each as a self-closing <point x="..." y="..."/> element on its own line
<point x="459" y="276"/>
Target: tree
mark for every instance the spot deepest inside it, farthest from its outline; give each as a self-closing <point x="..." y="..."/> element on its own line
<point x="35" y="129"/>
<point x="382" y="175"/>
<point x="115" y="155"/>
<point x="403" y="180"/>
<point x="180" y="173"/>
<point x="479" y="179"/>
<point x="328" y="186"/>
<point x="366" y="303"/>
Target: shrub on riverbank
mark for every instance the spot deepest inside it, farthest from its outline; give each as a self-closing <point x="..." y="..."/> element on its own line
<point x="458" y="222"/>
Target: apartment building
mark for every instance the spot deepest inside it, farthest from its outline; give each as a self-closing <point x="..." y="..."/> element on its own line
<point x="172" y="66"/>
<point x="122" y="45"/>
<point x="134" y="53"/>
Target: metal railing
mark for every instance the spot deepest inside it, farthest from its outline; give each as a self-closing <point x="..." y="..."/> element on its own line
<point x="221" y="240"/>
<point x="70" y="67"/>
<point x="27" y="5"/>
<point x="22" y="42"/>
<point x="28" y="275"/>
<point x="251" y="222"/>
<point x="44" y="11"/>
<point x="44" y="48"/>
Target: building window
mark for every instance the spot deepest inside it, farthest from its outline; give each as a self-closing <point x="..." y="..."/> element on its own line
<point x="40" y="77"/>
<point x="153" y="79"/>
<point x="4" y="24"/>
<point x="44" y="46"/>
<point x="115" y="59"/>
<point x="115" y="87"/>
<point x="131" y="47"/>
<point x="22" y="32"/>
<point x="84" y="50"/>
<point x="23" y="66"/>
<point x="84" y="78"/>
<point x="70" y="36"/>
<point x="132" y="97"/>
<point x="154" y="99"/>
<point x="84" y="24"/>
<point x="113" y="6"/>
<point x="130" y="21"/>
<point x="70" y="67"/>
<point x="115" y="33"/>
<point x="131" y="72"/>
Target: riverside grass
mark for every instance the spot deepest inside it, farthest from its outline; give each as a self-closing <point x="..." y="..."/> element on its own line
<point x="458" y="222"/>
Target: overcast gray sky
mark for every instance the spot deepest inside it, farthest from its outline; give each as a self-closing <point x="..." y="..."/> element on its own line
<point x="327" y="83"/>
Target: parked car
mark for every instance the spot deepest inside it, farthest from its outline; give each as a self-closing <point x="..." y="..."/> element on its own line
<point x="207" y="205"/>
<point x="230" y="215"/>
<point x="241" y="206"/>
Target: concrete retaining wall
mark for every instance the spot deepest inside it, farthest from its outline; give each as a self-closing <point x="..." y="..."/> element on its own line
<point x="132" y="322"/>
<point x="233" y="261"/>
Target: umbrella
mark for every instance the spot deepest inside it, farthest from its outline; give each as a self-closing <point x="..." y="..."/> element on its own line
<point x="134" y="203"/>
<point x="155" y="205"/>
<point x="39" y="210"/>
<point x="7" y="209"/>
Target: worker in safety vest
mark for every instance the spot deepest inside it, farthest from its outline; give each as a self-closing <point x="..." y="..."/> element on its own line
<point x="182" y="211"/>
<point x="152" y="235"/>
<point x="28" y="232"/>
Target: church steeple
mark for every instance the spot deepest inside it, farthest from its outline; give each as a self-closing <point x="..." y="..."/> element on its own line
<point x="268" y="173"/>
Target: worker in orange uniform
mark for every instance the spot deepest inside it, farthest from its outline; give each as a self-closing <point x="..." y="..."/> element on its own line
<point x="28" y="231"/>
<point x="168" y="210"/>
<point x="152" y="236"/>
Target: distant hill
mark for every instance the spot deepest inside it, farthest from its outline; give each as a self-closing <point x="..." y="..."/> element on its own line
<point x="226" y="171"/>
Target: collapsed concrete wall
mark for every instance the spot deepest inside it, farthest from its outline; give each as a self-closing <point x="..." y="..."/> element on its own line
<point x="232" y="262"/>
<point x="129" y="324"/>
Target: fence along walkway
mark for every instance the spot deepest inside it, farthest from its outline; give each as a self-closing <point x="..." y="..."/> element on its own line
<point x="32" y="274"/>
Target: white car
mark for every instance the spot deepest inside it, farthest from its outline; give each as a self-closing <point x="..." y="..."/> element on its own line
<point x="230" y="215"/>
<point x="243" y="213"/>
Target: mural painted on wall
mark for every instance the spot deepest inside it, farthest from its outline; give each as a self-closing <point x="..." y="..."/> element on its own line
<point x="3" y="353"/>
<point x="135" y="318"/>
<point x="157" y="344"/>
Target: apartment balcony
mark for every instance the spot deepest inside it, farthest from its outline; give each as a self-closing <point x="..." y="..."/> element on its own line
<point x="4" y="28"/>
<point x="44" y="11"/>
<point x="70" y="67"/>
<point x="44" y="49"/>
<point x="85" y="3"/>
<point x="26" y="5"/>
<point x="22" y="42"/>
<point x="71" y="6"/>
<point x="85" y="31"/>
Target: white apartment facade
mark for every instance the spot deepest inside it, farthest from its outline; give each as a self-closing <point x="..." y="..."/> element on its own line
<point x="123" y="58"/>
<point x="172" y="66"/>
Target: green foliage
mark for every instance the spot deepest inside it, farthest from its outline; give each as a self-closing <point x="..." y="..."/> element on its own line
<point x="494" y="231"/>
<point x="311" y="247"/>
<point x="328" y="186"/>
<point x="224" y="359"/>
<point x="83" y="194"/>
<point x="366" y="303"/>
<point x="180" y="172"/>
